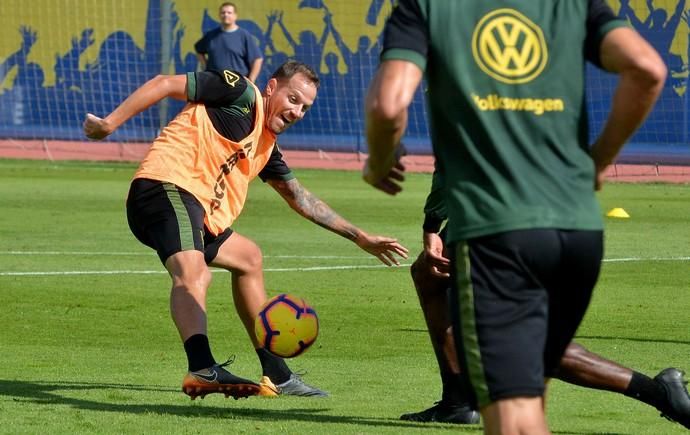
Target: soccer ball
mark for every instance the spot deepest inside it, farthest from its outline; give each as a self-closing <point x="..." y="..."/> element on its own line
<point x="286" y="325"/>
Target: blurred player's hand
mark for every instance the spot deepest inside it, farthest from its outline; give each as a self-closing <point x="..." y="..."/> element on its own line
<point x="95" y="127"/>
<point x="388" y="176"/>
<point x="439" y="265"/>
<point x="390" y="183"/>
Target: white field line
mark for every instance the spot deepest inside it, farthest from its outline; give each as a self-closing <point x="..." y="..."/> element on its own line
<point x="289" y="269"/>
<point x="156" y="272"/>
<point x="152" y="254"/>
<point x="317" y="257"/>
<point x="633" y="259"/>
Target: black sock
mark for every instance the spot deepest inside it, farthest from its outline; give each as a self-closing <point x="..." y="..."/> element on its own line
<point x="198" y="352"/>
<point x="455" y="389"/>
<point x="647" y="390"/>
<point x="273" y="366"/>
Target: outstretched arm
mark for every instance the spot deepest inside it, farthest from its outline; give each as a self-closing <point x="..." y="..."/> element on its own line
<point x="642" y="75"/>
<point x="627" y="12"/>
<point x="317" y="211"/>
<point x="673" y="22"/>
<point x="267" y="41"/>
<point x="328" y="19"/>
<point x="279" y="20"/>
<point x="648" y="21"/>
<point x="146" y="96"/>
<point x="19" y="56"/>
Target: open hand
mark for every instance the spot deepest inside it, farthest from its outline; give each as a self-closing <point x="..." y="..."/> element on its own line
<point x="383" y="248"/>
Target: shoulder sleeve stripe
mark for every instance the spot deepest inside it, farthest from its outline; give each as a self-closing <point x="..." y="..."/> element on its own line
<point x="606" y="28"/>
<point x="404" y="54"/>
<point x="191" y="86"/>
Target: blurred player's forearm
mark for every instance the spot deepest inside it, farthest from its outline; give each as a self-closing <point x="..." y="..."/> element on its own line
<point x="642" y="75"/>
<point x="389" y="96"/>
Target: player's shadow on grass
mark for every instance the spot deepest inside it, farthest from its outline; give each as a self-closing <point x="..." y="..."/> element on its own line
<point x="57" y="393"/>
<point x="62" y="393"/>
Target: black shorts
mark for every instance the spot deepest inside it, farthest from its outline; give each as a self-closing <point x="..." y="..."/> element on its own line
<point x="518" y="298"/>
<point x="170" y="220"/>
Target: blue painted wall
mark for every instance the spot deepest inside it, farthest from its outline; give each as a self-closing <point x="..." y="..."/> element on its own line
<point x="56" y="66"/>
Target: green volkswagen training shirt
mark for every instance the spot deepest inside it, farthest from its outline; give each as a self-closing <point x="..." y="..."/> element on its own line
<point x="506" y="105"/>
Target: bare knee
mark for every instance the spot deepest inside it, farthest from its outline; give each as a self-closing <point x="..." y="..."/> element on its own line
<point x="189" y="271"/>
<point x="239" y="255"/>
<point x="193" y="282"/>
<point x="252" y="261"/>
<point x="427" y="285"/>
<point x="421" y="274"/>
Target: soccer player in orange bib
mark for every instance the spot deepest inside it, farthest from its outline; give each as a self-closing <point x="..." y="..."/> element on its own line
<point x="191" y="187"/>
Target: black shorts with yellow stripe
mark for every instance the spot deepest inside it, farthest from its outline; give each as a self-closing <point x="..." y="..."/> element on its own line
<point x="517" y="299"/>
<point x="169" y="219"/>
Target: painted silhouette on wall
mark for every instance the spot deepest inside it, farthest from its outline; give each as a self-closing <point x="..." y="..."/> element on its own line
<point x="659" y="28"/>
<point x="28" y="76"/>
<point x="34" y="109"/>
<point x="30" y="108"/>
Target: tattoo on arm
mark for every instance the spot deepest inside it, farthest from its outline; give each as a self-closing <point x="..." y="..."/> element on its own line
<point x="312" y="208"/>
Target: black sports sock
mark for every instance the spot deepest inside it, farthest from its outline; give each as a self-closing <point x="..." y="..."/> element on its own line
<point x="455" y="389"/>
<point x="273" y="366"/>
<point x="647" y="390"/>
<point x="198" y="352"/>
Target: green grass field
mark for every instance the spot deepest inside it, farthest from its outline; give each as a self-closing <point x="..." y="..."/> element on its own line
<point x="88" y="346"/>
